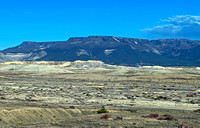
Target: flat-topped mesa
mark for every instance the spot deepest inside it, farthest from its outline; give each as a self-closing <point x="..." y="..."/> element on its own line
<point x="105" y="41"/>
<point x="100" y="36"/>
<point x="110" y="50"/>
<point x="93" y="38"/>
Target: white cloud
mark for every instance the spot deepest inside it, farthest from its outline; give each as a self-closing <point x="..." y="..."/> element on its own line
<point x="183" y="26"/>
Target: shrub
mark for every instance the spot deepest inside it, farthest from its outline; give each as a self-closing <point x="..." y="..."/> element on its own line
<point x="119" y="118"/>
<point x="151" y="116"/>
<point x="164" y="117"/>
<point x="160" y="98"/>
<point x="132" y="110"/>
<point x="102" y="110"/>
<point x="190" y="95"/>
<point x="105" y="117"/>
<point x="198" y="110"/>
<point x="184" y="126"/>
<point x="20" y="123"/>
<point x="167" y="117"/>
<point x="3" y="98"/>
<point x="72" y="107"/>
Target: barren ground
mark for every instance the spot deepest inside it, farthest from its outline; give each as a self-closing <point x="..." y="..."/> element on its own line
<point x="62" y="96"/>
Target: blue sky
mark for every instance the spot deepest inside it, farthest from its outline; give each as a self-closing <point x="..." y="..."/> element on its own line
<point x="50" y="20"/>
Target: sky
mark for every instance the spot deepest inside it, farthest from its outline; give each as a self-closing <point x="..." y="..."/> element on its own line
<point x="58" y="20"/>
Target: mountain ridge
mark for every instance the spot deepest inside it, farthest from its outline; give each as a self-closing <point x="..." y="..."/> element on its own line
<point x="109" y="49"/>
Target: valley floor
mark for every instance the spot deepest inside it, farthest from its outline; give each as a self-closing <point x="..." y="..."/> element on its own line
<point x="134" y="97"/>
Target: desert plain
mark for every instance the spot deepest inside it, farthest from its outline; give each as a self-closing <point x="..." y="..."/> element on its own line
<point x="69" y="94"/>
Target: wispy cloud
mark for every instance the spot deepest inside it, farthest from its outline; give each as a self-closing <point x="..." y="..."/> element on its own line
<point x="182" y="26"/>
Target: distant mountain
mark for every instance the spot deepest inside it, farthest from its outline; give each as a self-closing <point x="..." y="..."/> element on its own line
<point x="110" y="50"/>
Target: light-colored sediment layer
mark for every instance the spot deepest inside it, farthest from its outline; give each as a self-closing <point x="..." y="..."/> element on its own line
<point x="36" y="115"/>
<point x="165" y="105"/>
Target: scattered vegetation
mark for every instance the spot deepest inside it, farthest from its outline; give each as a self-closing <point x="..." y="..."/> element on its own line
<point x="105" y="117"/>
<point x="72" y="107"/>
<point x="3" y="98"/>
<point x="102" y="110"/>
<point x="88" y="94"/>
<point x="164" y="117"/>
<point x="151" y="116"/>
<point x="167" y="117"/>
<point x="184" y="126"/>
<point x="20" y="123"/>
<point x="119" y="118"/>
<point x="32" y="100"/>
<point x="132" y="110"/>
<point x="190" y="95"/>
<point x="192" y="101"/>
<point x="160" y="98"/>
<point x="198" y="110"/>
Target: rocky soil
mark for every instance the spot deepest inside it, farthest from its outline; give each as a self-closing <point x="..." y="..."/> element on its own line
<point x="69" y="95"/>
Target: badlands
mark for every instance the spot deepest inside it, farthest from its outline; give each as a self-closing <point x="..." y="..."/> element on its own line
<point x="68" y="94"/>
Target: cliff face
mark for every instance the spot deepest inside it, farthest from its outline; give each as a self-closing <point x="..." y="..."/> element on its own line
<point x="111" y="50"/>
